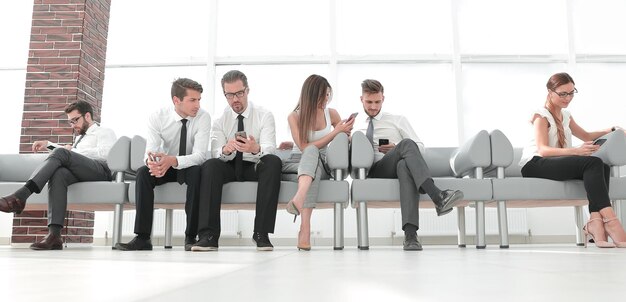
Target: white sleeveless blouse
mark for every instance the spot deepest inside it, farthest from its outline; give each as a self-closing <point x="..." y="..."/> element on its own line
<point x="531" y="148"/>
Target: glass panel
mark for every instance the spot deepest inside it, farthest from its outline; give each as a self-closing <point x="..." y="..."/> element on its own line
<point x="394" y="27"/>
<point x="597" y="104"/>
<point x="273" y="27"/>
<point x="424" y="93"/>
<point x="513" y="27"/>
<point x="599" y="26"/>
<point x="13" y="82"/>
<point x="131" y="94"/>
<point x="15" y="21"/>
<point x="277" y="88"/>
<point x="147" y="31"/>
<point x="503" y="96"/>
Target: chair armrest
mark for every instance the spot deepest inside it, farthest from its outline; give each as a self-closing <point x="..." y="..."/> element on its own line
<point x="613" y="151"/>
<point x="118" y="158"/>
<point x="474" y="153"/>
<point x="137" y="152"/>
<point x="337" y="155"/>
<point x="361" y="153"/>
<point x="19" y="167"/>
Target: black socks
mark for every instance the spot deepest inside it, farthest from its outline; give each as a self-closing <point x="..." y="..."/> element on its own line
<point x="409" y="229"/>
<point x="23" y="193"/>
<point x="55" y="229"/>
<point x="432" y="190"/>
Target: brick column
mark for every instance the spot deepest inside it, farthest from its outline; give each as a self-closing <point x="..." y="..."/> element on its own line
<point x="65" y="63"/>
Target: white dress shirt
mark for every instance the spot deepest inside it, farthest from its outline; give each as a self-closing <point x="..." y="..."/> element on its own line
<point x="258" y="122"/>
<point x="390" y="126"/>
<point x="96" y="143"/>
<point x="164" y="136"/>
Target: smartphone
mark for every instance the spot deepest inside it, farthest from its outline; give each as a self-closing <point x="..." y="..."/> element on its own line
<point x="241" y="134"/>
<point x="52" y="146"/>
<point x="352" y="116"/>
<point x="383" y="141"/>
<point x="153" y="158"/>
<point x="599" y="141"/>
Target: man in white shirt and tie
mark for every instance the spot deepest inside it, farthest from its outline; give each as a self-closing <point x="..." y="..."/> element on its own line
<point x="85" y="160"/>
<point x="239" y="156"/>
<point x="398" y="154"/>
<point x="178" y="142"/>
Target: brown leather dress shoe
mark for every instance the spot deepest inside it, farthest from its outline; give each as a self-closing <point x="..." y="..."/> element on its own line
<point x="51" y="242"/>
<point x="10" y="203"/>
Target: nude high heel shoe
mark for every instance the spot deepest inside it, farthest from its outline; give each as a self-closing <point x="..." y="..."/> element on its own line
<point x="620" y="244"/>
<point x="303" y="247"/>
<point x="588" y="234"/>
<point x="292" y="209"/>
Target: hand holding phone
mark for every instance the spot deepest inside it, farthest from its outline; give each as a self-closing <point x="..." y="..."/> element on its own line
<point x="352" y="116"/>
<point x="153" y="158"/>
<point x="383" y="141"/>
<point x="599" y="141"/>
<point x="241" y="134"/>
<point x="51" y="146"/>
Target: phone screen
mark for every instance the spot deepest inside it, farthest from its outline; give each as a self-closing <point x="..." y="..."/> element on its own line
<point x="600" y="141"/>
<point x="240" y="134"/>
<point x="352" y="116"/>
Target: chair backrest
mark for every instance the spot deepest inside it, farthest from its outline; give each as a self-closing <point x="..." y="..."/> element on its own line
<point x="137" y="152"/>
<point x="475" y="152"/>
<point x="338" y="154"/>
<point x="438" y="161"/>
<point x="514" y="169"/>
<point x="501" y="149"/>
<point x="19" y="167"/>
<point x="118" y="158"/>
<point x="613" y="151"/>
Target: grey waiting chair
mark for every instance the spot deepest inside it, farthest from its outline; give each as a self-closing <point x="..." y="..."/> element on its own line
<point x="452" y="168"/>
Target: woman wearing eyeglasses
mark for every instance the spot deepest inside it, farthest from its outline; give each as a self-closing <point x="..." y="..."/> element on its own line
<point x="551" y="155"/>
<point x="313" y="127"/>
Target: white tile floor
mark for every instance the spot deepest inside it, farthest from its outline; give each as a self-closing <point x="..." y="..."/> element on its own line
<point x="439" y="273"/>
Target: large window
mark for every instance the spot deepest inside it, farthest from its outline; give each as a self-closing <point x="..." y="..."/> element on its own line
<point x="158" y="32"/>
<point x="494" y="27"/>
<point x="599" y="27"/>
<point x="494" y="77"/>
<point x="492" y="100"/>
<point x="273" y="28"/>
<point x="399" y="27"/>
<point x="15" y="21"/>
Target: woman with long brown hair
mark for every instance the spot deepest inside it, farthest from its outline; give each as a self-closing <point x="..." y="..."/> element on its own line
<point x="551" y="155"/>
<point x="313" y="127"/>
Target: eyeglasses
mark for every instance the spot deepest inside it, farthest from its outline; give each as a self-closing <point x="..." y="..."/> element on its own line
<point x="74" y="121"/>
<point x="566" y="94"/>
<point x="239" y="94"/>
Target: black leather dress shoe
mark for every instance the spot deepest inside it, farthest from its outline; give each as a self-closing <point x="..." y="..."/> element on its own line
<point x="262" y="242"/>
<point x="449" y="199"/>
<point x="189" y="242"/>
<point x="10" y="203"/>
<point x="411" y="243"/>
<point x="205" y="244"/>
<point x="51" y="242"/>
<point x="137" y="244"/>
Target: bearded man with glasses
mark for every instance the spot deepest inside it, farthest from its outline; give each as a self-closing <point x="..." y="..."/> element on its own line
<point x="84" y="160"/>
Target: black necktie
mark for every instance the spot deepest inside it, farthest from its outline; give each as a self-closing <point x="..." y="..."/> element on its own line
<point x="78" y="140"/>
<point x="182" y="150"/>
<point x="239" y="155"/>
<point x="370" y="131"/>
